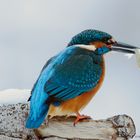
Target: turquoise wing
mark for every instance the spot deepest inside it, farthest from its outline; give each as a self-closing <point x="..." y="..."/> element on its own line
<point x="73" y="77"/>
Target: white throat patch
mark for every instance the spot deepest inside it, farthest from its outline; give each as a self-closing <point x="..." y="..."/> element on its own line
<point x="88" y="47"/>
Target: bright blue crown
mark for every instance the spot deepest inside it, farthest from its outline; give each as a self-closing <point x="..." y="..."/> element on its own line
<point x="88" y="36"/>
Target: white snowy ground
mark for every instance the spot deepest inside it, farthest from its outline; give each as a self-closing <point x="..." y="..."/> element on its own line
<point x="12" y="96"/>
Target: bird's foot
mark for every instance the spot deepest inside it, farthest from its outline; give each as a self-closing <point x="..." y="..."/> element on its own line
<point x="80" y="117"/>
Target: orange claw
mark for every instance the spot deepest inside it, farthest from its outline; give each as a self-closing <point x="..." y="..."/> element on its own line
<point x="80" y="117"/>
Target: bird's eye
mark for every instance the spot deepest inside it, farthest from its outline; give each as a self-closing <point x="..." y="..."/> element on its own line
<point x="110" y="41"/>
<point x="106" y="40"/>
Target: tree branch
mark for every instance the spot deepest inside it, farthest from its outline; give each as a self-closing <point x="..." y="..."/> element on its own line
<point x="12" y="126"/>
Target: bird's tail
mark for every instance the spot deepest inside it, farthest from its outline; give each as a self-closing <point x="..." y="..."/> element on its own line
<point x="38" y="106"/>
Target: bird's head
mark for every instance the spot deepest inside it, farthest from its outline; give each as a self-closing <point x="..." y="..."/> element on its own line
<point x="100" y="42"/>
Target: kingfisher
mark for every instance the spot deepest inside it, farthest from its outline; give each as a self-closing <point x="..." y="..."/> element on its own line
<point x="70" y="79"/>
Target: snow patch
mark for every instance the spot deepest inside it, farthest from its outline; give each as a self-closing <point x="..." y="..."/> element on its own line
<point x="10" y="96"/>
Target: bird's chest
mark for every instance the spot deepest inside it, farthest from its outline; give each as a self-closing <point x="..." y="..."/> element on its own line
<point x="76" y="104"/>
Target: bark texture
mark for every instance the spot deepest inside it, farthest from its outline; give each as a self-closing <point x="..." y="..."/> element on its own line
<point x="13" y="117"/>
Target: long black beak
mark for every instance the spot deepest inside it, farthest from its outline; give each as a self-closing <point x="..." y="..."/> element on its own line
<point x="122" y="47"/>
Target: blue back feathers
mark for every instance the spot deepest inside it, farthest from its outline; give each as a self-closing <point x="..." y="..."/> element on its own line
<point x="78" y="71"/>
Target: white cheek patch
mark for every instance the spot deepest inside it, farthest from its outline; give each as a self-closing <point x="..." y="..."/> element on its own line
<point x="88" y="47"/>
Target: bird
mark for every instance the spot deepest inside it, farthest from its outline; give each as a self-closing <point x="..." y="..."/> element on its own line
<point x="70" y="79"/>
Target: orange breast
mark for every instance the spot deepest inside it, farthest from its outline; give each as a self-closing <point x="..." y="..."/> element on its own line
<point x="76" y="104"/>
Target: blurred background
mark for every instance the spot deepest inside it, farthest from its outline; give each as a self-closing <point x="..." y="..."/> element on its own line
<point x="31" y="31"/>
